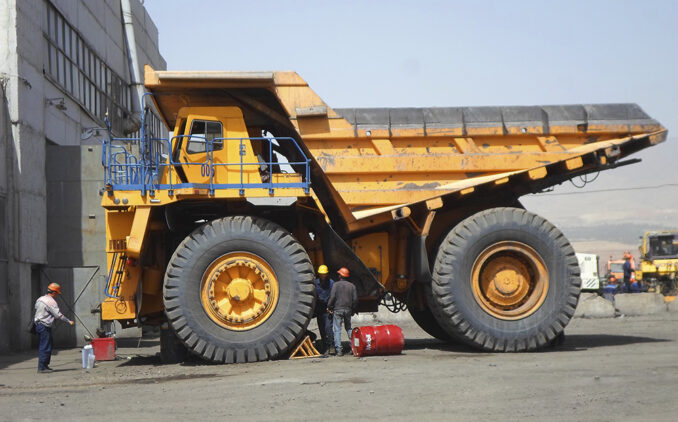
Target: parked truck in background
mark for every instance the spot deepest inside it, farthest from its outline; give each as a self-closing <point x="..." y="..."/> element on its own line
<point x="215" y="232"/>
<point x="659" y="261"/>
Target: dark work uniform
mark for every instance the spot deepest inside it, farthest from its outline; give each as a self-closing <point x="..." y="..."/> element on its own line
<point x="343" y="301"/>
<point x="323" y="317"/>
<point x="627" y="275"/>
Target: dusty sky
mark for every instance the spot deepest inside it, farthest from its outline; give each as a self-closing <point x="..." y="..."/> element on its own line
<point x="449" y="53"/>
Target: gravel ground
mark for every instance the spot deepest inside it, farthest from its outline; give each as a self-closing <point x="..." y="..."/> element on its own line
<point x="607" y="369"/>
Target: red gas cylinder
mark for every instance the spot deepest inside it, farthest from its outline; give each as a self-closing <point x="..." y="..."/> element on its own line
<point x="104" y="348"/>
<point x="377" y="340"/>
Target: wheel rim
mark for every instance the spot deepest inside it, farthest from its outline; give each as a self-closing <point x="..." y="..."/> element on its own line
<point x="239" y="291"/>
<point x="509" y="280"/>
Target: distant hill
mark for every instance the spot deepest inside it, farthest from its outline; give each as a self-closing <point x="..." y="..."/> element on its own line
<point x="627" y="233"/>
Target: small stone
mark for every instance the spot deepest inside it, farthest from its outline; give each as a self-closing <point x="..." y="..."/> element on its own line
<point x="371" y="391"/>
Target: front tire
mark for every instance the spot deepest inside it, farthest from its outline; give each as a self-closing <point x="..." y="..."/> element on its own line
<point x="239" y="289"/>
<point x="505" y="279"/>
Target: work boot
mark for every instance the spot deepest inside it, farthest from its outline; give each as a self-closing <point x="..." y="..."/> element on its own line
<point x="45" y="371"/>
<point x="340" y="352"/>
<point x="333" y="351"/>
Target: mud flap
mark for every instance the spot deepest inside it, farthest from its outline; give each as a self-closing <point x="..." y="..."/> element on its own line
<point x="338" y="254"/>
<point x="422" y="269"/>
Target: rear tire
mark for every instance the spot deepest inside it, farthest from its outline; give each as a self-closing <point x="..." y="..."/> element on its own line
<point x="233" y="251"/>
<point x="172" y="350"/>
<point x="505" y="279"/>
<point x="425" y="319"/>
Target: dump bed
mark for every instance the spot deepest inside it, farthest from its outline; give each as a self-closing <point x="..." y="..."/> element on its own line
<point x="376" y="160"/>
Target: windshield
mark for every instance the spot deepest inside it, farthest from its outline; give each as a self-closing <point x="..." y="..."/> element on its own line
<point x="663" y="245"/>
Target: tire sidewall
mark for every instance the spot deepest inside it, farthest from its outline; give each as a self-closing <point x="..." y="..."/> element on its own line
<point x="458" y="284"/>
<point x="205" y="250"/>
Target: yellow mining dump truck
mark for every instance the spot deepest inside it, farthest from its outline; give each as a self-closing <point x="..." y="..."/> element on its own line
<point x="216" y="231"/>
<point x="659" y="261"/>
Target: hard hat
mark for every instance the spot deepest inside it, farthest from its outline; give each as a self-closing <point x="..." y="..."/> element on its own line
<point x="343" y="271"/>
<point x="54" y="287"/>
<point x="323" y="269"/>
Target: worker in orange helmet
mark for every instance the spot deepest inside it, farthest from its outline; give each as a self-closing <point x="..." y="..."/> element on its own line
<point x="343" y="302"/>
<point x="46" y="311"/>
<point x="323" y="288"/>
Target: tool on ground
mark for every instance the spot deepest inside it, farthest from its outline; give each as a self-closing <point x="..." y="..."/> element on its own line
<point x="305" y="349"/>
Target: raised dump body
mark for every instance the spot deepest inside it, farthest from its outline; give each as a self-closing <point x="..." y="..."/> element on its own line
<point x="216" y="231"/>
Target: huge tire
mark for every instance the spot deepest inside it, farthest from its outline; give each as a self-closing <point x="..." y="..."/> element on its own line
<point x="425" y="319"/>
<point x="239" y="289"/>
<point x="505" y="279"/>
<point x="171" y="349"/>
<point x="427" y="322"/>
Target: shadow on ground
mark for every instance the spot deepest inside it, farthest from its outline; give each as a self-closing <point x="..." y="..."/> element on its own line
<point x="19" y="357"/>
<point x="574" y="342"/>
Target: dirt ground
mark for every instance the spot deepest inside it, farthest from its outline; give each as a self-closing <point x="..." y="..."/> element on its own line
<point x="609" y="369"/>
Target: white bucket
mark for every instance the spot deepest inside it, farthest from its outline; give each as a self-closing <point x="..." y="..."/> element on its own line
<point x="87" y="357"/>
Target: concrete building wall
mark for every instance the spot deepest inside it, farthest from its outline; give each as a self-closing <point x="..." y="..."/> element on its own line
<point x="50" y="154"/>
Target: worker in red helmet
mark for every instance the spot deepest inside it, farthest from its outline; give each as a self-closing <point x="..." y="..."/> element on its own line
<point x="629" y="269"/>
<point x="46" y="311"/>
<point x="343" y="302"/>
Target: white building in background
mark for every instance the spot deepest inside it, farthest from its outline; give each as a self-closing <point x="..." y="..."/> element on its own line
<point x="64" y="66"/>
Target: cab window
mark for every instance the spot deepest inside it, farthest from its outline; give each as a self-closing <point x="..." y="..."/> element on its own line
<point x="202" y="132"/>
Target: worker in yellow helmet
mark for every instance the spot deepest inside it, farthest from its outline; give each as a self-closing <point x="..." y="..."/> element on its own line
<point x="323" y="287"/>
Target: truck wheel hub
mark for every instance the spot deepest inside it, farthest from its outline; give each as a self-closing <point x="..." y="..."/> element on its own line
<point x="509" y="280"/>
<point x="239" y="291"/>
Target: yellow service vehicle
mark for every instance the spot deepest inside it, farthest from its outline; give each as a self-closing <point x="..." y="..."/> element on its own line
<point x="659" y="261"/>
<point x="214" y="233"/>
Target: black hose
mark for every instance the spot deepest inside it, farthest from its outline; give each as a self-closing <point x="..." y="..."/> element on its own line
<point x="393" y="304"/>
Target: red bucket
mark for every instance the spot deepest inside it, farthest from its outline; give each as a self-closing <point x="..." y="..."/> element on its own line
<point x="104" y="348"/>
<point x="377" y="340"/>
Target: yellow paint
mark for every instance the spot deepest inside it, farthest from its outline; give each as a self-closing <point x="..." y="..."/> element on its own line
<point x="538" y="173"/>
<point x="509" y="280"/>
<point x="373" y="251"/>
<point x="661" y="268"/>
<point x="136" y="236"/>
<point x="574" y="163"/>
<point x="115" y="309"/>
<point x="235" y="147"/>
<point x="239" y="291"/>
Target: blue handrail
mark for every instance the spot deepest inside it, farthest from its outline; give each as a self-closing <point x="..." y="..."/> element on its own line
<point x="142" y="170"/>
